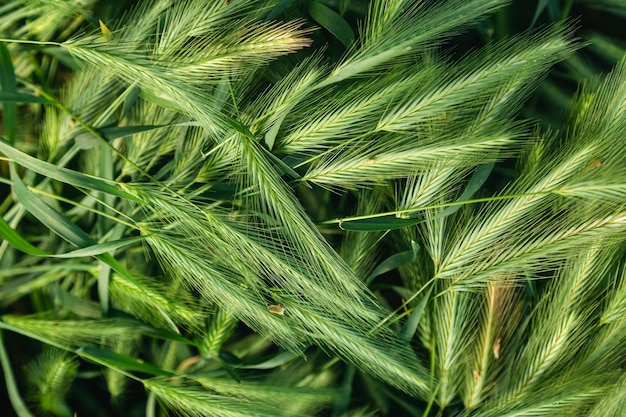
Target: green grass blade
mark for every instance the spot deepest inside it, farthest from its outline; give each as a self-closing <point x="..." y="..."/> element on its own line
<point x="394" y="261"/>
<point x="411" y="325"/>
<point x="21" y="244"/>
<point x="48" y="216"/>
<point x="541" y="5"/>
<point x="11" y="384"/>
<point x="115" y="360"/>
<point x="476" y="181"/>
<point x="9" y="86"/>
<point x="331" y="21"/>
<point x="100" y="248"/>
<point x="68" y="176"/>
<point x="17" y="241"/>
<point x="14" y="97"/>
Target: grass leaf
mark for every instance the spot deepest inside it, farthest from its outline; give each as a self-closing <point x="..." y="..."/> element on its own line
<point x="331" y="21"/>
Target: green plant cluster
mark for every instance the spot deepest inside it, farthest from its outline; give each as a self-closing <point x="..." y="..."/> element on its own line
<point x="297" y="208"/>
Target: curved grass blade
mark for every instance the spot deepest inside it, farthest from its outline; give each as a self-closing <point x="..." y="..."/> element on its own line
<point x="18" y="242"/>
<point x="410" y="327"/>
<point x="15" y="97"/>
<point x="9" y="85"/>
<point x="11" y="384"/>
<point x="129" y="101"/>
<point x="394" y="261"/>
<point x="48" y="216"/>
<point x="65" y="175"/>
<point x="100" y="248"/>
<point x="114" y="360"/>
<point x="553" y="7"/>
<point x="476" y="181"/>
<point x="331" y="21"/>
<point x="21" y="244"/>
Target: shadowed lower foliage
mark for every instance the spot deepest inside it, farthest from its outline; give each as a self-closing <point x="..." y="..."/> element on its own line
<point x="215" y="214"/>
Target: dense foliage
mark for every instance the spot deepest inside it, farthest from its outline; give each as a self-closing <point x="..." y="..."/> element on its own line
<point x="290" y="208"/>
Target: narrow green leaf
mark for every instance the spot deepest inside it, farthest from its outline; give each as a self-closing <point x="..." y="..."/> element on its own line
<point x="150" y="96"/>
<point x="68" y="176"/>
<point x="11" y="384"/>
<point x="332" y="22"/>
<point x="229" y="370"/>
<point x="48" y="216"/>
<point x="357" y="67"/>
<point x="9" y="86"/>
<point x="17" y="241"/>
<point x="282" y="167"/>
<point x="87" y="141"/>
<point x="476" y="181"/>
<point x="410" y="327"/>
<point x="130" y="101"/>
<point x="100" y="248"/>
<point x="270" y="136"/>
<point x="14" y="97"/>
<point x="104" y="225"/>
<point x="52" y="219"/>
<point x="118" y="361"/>
<point x="541" y="5"/>
<point x="377" y="224"/>
<point x="240" y="127"/>
<point x="390" y="222"/>
<point x="395" y="261"/>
